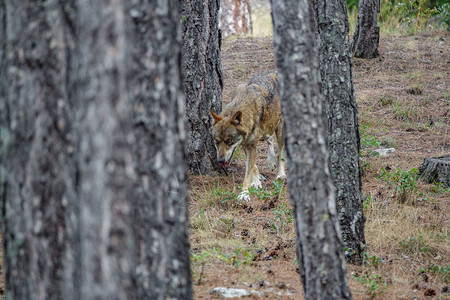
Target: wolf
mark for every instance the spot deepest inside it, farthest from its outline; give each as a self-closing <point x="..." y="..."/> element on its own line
<point x="253" y="115"/>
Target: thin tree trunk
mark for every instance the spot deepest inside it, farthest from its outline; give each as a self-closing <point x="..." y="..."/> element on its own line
<point x="37" y="165"/>
<point x="235" y="17"/>
<point x="202" y="80"/>
<point x="319" y="244"/>
<point x="161" y="215"/>
<point x="341" y="113"/>
<point x="367" y="34"/>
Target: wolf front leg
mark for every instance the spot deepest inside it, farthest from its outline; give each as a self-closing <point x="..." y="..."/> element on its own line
<point x="251" y="173"/>
<point x="281" y="167"/>
<point x="271" y="158"/>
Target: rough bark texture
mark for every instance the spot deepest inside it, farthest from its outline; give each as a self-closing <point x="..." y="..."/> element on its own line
<point x="104" y="152"/>
<point x="341" y="114"/>
<point x="202" y="80"/>
<point x="319" y="244"/>
<point x="235" y="17"/>
<point x="367" y="34"/>
<point x="161" y="214"/>
<point x="92" y="171"/>
<point x="37" y="166"/>
<point x="436" y="169"/>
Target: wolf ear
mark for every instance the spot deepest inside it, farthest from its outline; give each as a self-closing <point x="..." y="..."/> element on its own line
<point x="216" y="117"/>
<point x="236" y="118"/>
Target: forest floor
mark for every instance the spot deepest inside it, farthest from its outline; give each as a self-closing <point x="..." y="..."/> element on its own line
<point x="403" y="100"/>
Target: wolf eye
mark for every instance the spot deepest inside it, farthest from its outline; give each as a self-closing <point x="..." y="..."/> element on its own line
<point x="229" y="142"/>
<point x="217" y="142"/>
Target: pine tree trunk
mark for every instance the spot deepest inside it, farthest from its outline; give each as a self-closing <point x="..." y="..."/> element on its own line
<point x="319" y="244"/>
<point x="161" y="215"/>
<point x="367" y="34"/>
<point x="92" y="175"/>
<point x="37" y="147"/>
<point x="202" y="80"/>
<point x="235" y="17"/>
<point x="104" y="152"/>
<point x="341" y="114"/>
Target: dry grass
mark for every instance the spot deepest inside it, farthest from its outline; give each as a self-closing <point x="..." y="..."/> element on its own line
<point x="238" y="245"/>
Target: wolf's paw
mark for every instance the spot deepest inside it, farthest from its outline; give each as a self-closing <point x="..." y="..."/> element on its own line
<point x="271" y="162"/>
<point x="281" y="175"/>
<point x="256" y="183"/>
<point x="244" y="196"/>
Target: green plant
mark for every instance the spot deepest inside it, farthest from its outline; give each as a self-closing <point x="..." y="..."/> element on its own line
<point x="414" y="245"/>
<point x="410" y="16"/>
<point x="368" y="139"/>
<point x="200" y="259"/>
<point x="365" y="165"/>
<point x="277" y="188"/>
<point x="444" y="12"/>
<point x="261" y="193"/>
<point x="447" y="95"/>
<point x="239" y="257"/>
<point x="422" y="198"/>
<point x="371" y="260"/>
<point x="415" y="11"/>
<point x="367" y="201"/>
<point x="274" y="193"/>
<point x="283" y="215"/>
<point x="221" y="195"/>
<point x="405" y="112"/>
<point x="374" y="283"/>
<point x="438" y="189"/>
<point x="403" y="182"/>
<point x="443" y="272"/>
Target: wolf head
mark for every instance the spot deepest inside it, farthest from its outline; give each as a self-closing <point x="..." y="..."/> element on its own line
<point x="226" y="135"/>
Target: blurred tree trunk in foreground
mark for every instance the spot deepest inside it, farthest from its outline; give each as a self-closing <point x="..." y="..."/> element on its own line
<point x="341" y="113"/>
<point x="37" y="147"/>
<point x="104" y="152"/>
<point x="202" y="80"/>
<point x="94" y="203"/>
<point x="235" y="17"/>
<point x="367" y="34"/>
<point x="319" y="244"/>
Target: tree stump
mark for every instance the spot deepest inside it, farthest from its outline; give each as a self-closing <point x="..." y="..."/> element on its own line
<point x="436" y="169"/>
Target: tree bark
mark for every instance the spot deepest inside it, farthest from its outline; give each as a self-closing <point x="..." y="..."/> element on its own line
<point x="367" y="34"/>
<point x="92" y="171"/>
<point x="37" y="147"/>
<point x="341" y="114"/>
<point x="436" y="169"/>
<point x="202" y="80"/>
<point x="319" y="244"/>
<point x="104" y="152"/>
<point x="161" y="214"/>
<point x="235" y="17"/>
